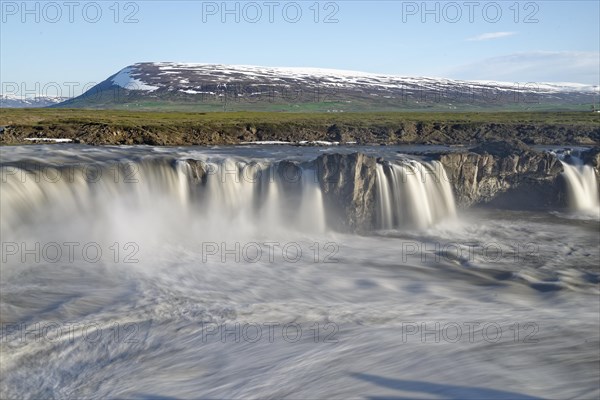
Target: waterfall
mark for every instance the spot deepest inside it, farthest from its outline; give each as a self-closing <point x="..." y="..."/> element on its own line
<point x="152" y="197"/>
<point x="230" y="196"/>
<point x="582" y="187"/>
<point x="312" y="213"/>
<point x="412" y="194"/>
<point x="262" y="196"/>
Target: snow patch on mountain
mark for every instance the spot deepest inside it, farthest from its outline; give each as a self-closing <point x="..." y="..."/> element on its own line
<point x="343" y="78"/>
<point x="544" y="86"/>
<point x="125" y="80"/>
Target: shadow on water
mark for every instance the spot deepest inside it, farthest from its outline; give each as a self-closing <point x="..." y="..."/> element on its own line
<point x="441" y="391"/>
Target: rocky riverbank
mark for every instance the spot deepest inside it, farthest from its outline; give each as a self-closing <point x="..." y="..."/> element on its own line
<point x="180" y="129"/>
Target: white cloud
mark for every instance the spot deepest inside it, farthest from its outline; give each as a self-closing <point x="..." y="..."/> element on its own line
<point x="536" y="66"/>
<point x="491" y="35"/>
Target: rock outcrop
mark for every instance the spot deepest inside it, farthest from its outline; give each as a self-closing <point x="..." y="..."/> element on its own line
<point x="347" y="183"/>
<point x="592" y="157"/>
<point x="198" y="170"/>
<point x="505" y="175"/>
<point x="500" y="148"/>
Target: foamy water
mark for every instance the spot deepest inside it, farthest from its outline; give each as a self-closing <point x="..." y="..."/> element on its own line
<point x="165" y="288"/>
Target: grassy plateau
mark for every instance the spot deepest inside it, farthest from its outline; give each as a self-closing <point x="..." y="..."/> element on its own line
<point x="206" y="128"/>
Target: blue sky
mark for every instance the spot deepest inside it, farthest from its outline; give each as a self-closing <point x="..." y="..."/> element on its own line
<point x="515" y="41"/>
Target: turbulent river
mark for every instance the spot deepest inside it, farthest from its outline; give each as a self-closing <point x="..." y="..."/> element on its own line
<point x="140" y="272"/>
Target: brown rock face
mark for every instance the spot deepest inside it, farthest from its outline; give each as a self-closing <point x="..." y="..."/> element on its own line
<point x="501" y="148"/>
<point x="347" y="183"/>
<point x="592" y="157"/>
<point x="514" y="178"/>
<point x="198" y="170"/>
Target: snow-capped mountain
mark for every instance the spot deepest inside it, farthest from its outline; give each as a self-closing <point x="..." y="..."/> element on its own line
<point x="260" y="87"/>
<point x="16" y="101"/>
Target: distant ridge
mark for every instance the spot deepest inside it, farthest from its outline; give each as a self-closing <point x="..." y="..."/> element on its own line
<point x="16" y="101"/>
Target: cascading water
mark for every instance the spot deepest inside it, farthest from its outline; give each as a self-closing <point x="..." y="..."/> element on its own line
<point x="255" y="197"/>
<point x="413" y="194"/>
<point x="582" y="186"/>
<point x="250" y="196"/>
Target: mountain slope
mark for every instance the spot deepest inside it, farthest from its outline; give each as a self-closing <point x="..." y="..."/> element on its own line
<point x="212" y="87"/>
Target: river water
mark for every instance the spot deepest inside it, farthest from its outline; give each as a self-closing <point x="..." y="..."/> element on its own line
<point x="126" y="274"/>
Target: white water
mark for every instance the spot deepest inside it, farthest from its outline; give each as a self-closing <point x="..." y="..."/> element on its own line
<point x="253" y="197"/>
<point x="582" y="187"/>
<point x="373" y="287"/>
<point x="413" y="194"/>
